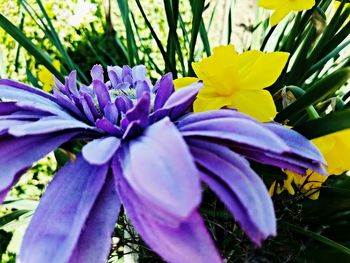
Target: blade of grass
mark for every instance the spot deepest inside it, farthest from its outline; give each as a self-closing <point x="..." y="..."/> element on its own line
<point x="197" y="7"/>
<point x="130" y="39"/>
<point x="316" y="93"/>
<point x="318" y="237"/>
<point x="168" y="65"/>
<point x="333" y="122"/>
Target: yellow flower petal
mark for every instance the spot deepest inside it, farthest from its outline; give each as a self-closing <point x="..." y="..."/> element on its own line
<point x="207" y="104"/>
<point x="272" y="188"/>
<point x="308" y="184"/>
<point x="256" y="103"/>
<point x="219" y="70"/>
<point x="45" y="76"/>
<point x="283" y="8"/>
<point x="279" y="15"/>
<point x="238" y="81"/>
<point x="259" y="70"/>
<point x="269" y="4"/>
<point x="335" y="148"/>
<point x="183" y="82"/>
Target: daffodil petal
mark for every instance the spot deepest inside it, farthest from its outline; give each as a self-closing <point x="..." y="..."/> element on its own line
<point x="256" y="103"/>
<point x="258" y="70"/>
<point x="299" y="5"/>
<point x="279" y="15"/>
<point x="207" y="104"/>
<point x="269" y="4"/>
<point x="335" y="148"/>
<point x="183" y="82"/>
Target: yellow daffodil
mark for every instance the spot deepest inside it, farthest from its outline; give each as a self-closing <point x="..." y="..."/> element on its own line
<point x="335" y="148"/>
<point x="45" y="76"/>
<point x="283" y="7"/>
<point x="237" y="81"/>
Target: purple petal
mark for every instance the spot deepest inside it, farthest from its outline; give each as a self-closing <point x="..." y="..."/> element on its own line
<point x="22" y="115"/>
<point x="287" y="161"/>
<point x="92" y="106"/>
<point x="111" y="112"/>
<point x="8" y="108"/>
<point x="157" y="214"/>
<point x="188" y="242"/>
<point x="133" y="129"/>
<point x="66" y="103"/>
<point x="72" y="83"/>
<point x="141" y="88"/>
<point x="87" y="110"/>
<point x="208" y="115"/>
<point x="160" y="168"/>
<point x="86" y="89"/>
<point x="48" y="125"/>
<point x="95" y="240"/>
<point x="114" y="75"/>
<point x="7" y="124"/>
<point x="102" y="94"/>
<point x="178" y="103"/>
<point x="123" y="85"/>
<point x="238" y="186"/>
<point x="298" y="143"/>
<point x="164" y="90"/>
<point x="123" y="103"/>
<point x="8" y="83"/>
<point x="97" y="73"/>
<point x="17" y="154"/>
<point x="4" y="192"/>
<point x="63" y="210"/>
<point x="235" y="131"/>
<point x="139" y="73"/>
<point x="140" y="111"/>
<point x="127" y="75"/>
<point x="100" y="151"/>
<point x="108" y="127"/>
<point x="59" y="85"/>
<point x="27" y="96"/>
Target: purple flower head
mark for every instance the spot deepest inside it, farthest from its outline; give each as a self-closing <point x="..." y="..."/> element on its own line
<point x="144" y="149"/>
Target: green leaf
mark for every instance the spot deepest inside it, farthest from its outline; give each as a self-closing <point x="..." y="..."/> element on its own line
<point x="168" y="65"/>
<point x="316" y="93"/>
<point x="61" y="157"/>
<point x="197" y="11"/>
<point x="28" y="45"/>
<point x="320" y="64"/>
<point x="330" y="123"/>
<point x="318" y="237"/>
<point x="11" y="217"/>
<point x="131" y="43"/>
<point x="5" y="239"/>
<point x="31" y="78"/>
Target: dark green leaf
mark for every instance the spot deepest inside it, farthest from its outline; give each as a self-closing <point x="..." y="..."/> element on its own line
<point x="11" y="217"/>
<point x="316" y="93"/>
<point x="318" y="237"/>
<point x="330" y="123"/>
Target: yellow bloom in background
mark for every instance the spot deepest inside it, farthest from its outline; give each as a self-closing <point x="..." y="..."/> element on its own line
<point x="335" y="148"/>
<point x="45" y="76"/>
<point x="308" y="184"/>
<point x="283" y="7"/>
<point x="237" y="81"/>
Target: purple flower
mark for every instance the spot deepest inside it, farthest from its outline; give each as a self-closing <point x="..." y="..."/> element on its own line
<point x="145" y="151"/>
